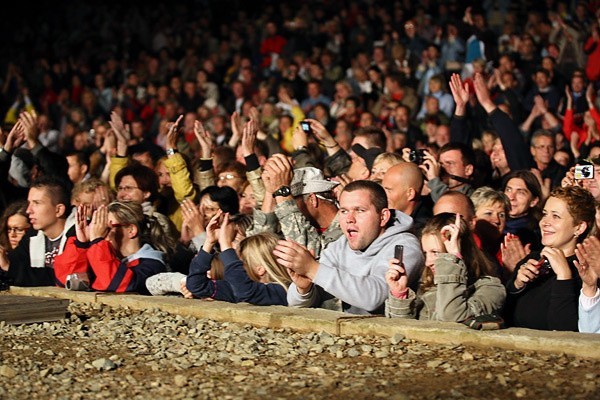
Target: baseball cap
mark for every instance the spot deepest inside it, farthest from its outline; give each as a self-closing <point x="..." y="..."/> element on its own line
<point x="310" y="180"/>
<point x="368" y="155"/>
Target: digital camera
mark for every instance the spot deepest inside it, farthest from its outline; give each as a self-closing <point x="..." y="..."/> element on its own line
<point x="584" y="171"/>
<point x="417" y="156"/>
<point x="79" y="281"/>
<point x="544" y="266"/>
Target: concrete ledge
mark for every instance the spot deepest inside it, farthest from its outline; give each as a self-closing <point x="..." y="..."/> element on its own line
<point x="316" y="320"/>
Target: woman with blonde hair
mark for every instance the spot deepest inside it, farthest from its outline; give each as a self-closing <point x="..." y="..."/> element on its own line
<point x="253" y="276"/>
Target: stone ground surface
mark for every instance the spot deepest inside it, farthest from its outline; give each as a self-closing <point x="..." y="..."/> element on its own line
<point x="100" y="352"/>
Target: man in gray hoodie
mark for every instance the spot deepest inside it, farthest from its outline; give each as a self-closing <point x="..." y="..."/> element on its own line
<point x="353" y="268"/>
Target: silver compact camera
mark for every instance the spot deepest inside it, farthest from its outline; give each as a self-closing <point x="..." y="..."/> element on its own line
<point x="79" y="281"/>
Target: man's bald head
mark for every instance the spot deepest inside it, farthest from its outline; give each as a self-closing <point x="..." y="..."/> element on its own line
<point x="403" y="183"/>
<point x="456" y="202"/>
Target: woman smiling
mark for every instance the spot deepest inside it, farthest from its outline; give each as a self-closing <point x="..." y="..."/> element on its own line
<point x="544" y="290"/>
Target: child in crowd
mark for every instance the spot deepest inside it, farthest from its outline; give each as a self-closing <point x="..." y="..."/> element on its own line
<point x="457" y="281"/>
<point x="253" y="277"/>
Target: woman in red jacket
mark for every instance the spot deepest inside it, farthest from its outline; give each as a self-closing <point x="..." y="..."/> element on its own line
<point x="119" y="249"/>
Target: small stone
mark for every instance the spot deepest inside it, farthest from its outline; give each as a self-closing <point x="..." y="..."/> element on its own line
<point x="239" y="378"/>
<point x="247" y="363"/>
<point x="522" y="392"/>
<point x="315" y="370"/>
<point x="397" y="338"/>
<point x="434" y="363"/>
<point x="45" y="372"/>
<point x="353" y="353"/>
<point x="381" y="354"/>
<point x="466" y="356"/>
<point x="180" y="380"/>
<point x="501" y="379"/>
<point x="7" y="371"/>
<point x="326" y="339"/>
<point x="103" y="364"/>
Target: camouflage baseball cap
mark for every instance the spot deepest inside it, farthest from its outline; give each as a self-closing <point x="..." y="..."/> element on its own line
<point x="310" y="180"/>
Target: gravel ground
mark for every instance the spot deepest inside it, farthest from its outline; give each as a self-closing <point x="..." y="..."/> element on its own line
<point x="100" y="352"/>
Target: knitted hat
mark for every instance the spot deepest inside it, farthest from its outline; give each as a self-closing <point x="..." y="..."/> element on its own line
<point x="310" y="180"/>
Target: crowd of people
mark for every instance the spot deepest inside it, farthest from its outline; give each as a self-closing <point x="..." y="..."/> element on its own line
<point x="281" y="155"/>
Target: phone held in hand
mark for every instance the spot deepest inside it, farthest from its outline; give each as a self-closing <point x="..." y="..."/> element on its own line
<point x="305" y="125"/>
<point x="399" y="252"/>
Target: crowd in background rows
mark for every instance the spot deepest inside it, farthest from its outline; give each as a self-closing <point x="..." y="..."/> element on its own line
<point x="219" y="132"/>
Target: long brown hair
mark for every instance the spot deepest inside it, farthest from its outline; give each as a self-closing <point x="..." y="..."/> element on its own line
<point x="477" y="263"/>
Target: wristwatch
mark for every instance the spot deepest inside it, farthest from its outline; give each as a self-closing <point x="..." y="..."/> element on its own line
<point x="283" y="191"/>
<point x="171" y="151"/>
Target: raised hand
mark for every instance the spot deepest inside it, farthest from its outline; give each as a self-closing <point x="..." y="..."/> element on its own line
<point x="30" y="126"/>
<point x="513" y="251"/>
<point x="205" y="139"/>
<point x="588" y="264"/>
<point x="249" y="132"/>
<point x="192" y="219"/>
<point x="322" y="134"/>
<point x="81" y="223"/>
<point x="279" y="171"/>
<point x="15" y="137"/>
<point x="589" y="93"/>
<point x="121" y="132"/>
<point x="299" y="138"/>
<point x="101" y="197"/>
<point x="396" y="278"/>
<point x="460" y="93"/>
<point x="212" y="232"/>
<point x="296" y="257"/>
<point x="236" y="129"/>
<point x="450" y="235"/>
<point x="173" y="133"/>
<point x="99" y="226"/>
<point x="482" y="93"/>
<point x="227" y="233"/>
<point x="569" y="97"/>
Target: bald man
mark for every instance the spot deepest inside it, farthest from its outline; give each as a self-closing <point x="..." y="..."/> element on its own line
<point x="403" y="184"/>
<point x="456" y="202"/>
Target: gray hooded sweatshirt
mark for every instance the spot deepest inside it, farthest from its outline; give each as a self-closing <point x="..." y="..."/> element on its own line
<point x="357" y="278"/>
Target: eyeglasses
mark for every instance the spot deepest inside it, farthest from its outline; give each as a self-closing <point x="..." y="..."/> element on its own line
<point x="126" y="188"/>
<point x="544" y="147"/>
<point x="16" y="230"/>
<point x="227" y="177"/>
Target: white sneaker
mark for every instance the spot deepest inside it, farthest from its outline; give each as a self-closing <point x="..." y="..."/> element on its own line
<point x="165" y="282"/>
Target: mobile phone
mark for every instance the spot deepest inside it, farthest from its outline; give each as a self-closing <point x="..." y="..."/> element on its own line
<point x="399" y="252"/>
<point x="305" y="125"/>
<point x="584" y="171"/>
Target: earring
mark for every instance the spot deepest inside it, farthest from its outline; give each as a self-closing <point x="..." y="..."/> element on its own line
<point x="576" y="235"/>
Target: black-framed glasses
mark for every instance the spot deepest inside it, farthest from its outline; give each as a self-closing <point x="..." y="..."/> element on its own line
<point x="16" y="230"/>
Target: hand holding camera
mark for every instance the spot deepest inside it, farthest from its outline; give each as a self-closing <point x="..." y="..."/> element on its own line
<point x="555" y="262"/>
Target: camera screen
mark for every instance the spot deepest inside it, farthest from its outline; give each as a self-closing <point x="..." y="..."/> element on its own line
<point x="305" y="126"/>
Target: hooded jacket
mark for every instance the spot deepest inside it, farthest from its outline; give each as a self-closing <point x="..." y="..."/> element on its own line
<point x="356" y="277"/>
<point x="108" y="272"/>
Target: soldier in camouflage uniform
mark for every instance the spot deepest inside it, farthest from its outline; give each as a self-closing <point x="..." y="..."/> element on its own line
<point x="303" y="202"/>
